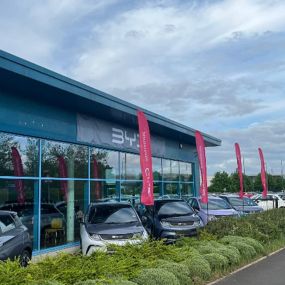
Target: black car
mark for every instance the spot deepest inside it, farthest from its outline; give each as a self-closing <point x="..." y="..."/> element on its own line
<point x="170" y="219"/>
<point x="15" y="240"/>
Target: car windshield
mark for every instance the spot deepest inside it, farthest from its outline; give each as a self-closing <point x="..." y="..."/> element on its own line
<point x="216" y="204"/>
<point x="173" y="208"/>
<point x="112" y="214"/>
<point x="236" y="201"/>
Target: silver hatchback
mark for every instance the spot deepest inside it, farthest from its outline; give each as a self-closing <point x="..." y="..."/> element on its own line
<point x="107" y="223"/>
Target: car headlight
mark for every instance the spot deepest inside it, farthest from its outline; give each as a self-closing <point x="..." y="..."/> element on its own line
<point x="165" y="224"/>
<point x="197" y="224"/>
<point x="137" y="235"/>
<point x="211" y="218"/>
<point x="95" y="237"/>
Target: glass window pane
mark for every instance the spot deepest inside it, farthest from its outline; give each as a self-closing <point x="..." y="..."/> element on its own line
<point x="156" y="168"/>
<point x="186" y="172"/>
<point x="131" y="192"/>
<point x="64" y="160"/>
<point x="18" y="155"/>
<point x="62" y="205"/>
<point x="100" y="190"/>
<point x="186" y="190"/>
<point x="170" y="170"/>
<point x="130" y="166"/>
<point x="171" y="189"/>
<point x="20" y="196"/>
<point x="104" y="164"/>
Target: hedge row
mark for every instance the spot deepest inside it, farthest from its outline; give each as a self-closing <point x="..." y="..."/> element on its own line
<point x="190" y="261"/>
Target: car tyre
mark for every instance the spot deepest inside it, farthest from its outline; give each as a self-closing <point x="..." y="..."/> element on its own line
<point x="25" y="258"/>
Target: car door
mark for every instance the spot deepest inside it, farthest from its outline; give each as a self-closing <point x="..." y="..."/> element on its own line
<point x="11" y="238"/>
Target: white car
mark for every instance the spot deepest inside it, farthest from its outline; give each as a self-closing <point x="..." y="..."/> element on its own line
<point x="108" y="223"/>
<point x="270" y="202"/>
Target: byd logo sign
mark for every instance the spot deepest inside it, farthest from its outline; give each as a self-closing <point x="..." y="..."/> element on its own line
<point x="123" y="137"/>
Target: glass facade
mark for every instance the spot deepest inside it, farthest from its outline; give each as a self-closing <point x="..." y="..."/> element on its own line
<point x="50" y="184"/>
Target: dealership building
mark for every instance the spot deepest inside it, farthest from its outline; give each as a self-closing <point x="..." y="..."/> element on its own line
<point x="64" y="144"/>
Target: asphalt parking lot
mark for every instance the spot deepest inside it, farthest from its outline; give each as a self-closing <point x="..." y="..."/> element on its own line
<point x="268" y="271"/>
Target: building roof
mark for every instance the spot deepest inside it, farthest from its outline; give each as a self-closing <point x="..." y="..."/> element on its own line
<point x="31" y="80"/>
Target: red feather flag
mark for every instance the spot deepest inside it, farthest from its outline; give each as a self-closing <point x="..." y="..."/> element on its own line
<point x="200" y="145"/>
<point x="145" y="160"/>
<point x="18" y="171"/>
<point x="239" y="164"/>
<point x="263" y="174"/>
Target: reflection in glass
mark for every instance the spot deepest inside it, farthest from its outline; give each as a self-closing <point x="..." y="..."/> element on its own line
<point x="170" y="169"/>
<point x="186" y="190"/>
<point x="27" y="210"/>
<point x="171" y="189"/>
<point x="130" y="166"/>
<point x="60" y="213"/>
<point x="16" y="153"/>
<point x="131" y="191"/>
<point x="156" y="168"/>
<point x="102" y="190"/>
<point x="186" y="172"/>
<point x="104" y="164"/>
<point x="64" y="160"/>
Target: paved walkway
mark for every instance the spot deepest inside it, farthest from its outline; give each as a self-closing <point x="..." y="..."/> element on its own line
<point x="270" y="271"/>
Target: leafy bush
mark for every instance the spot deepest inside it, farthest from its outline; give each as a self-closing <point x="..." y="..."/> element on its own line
<point x="87" y="282"/>
<point x="264" y="227"/>
<point x="231" y="253"/>
<point x="179" y="270"/>
<point x="51" y="282"/>
<point x="247" y="251"/>
<point x="216" y="261"/>
<point x="156" y="276"/>
<point x="259" y="248"/>
<point x="198" y="266"/>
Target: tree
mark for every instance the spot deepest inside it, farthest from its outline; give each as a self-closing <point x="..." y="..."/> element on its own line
<point x="221" y="182"/>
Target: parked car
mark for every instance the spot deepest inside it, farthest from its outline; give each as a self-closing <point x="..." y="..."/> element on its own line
<point x="170" y="219"/>
<point x="271" y="201"/>
<point x="243" y="205"/>
<point x="216" y="208"/>
<point x="15" y="240"/>
<point x="25" y="211"/>
<point x="107" y="223"/>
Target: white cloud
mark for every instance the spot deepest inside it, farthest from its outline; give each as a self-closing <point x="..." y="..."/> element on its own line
<point x="217" y="66"/>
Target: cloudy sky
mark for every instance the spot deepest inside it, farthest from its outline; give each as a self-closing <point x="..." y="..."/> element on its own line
<point x="216" y="66"/>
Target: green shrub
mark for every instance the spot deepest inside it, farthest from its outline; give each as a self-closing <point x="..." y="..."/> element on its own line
<point x="87" y="282"/>
<point x="259" y="248"/>
<point x="216" y="261"/>
<point x="250" y="241"/>
<point x="156" y="276"/>
<point x="231" y="253"/>
<point x="198" y="266"/>
<point x="179" y="270"/>
<point x="51" y="282"/>
<point x="247" y="251"/>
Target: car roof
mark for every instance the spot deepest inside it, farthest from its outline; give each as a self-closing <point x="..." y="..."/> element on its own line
<point x="230" y="195"/>
<point x="2" y="212"/>
<point x="109" y="203"/>
<point x="169" y="200"/>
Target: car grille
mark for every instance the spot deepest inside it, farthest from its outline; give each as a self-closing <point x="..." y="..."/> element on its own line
<point x="181" y="224"/>
<point x="116" y="236"/>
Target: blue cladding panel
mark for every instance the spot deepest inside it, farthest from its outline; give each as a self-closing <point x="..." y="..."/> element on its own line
<point x="25" y="116"/>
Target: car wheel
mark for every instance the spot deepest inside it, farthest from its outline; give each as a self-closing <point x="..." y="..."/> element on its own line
<point x="25" y="258"/>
